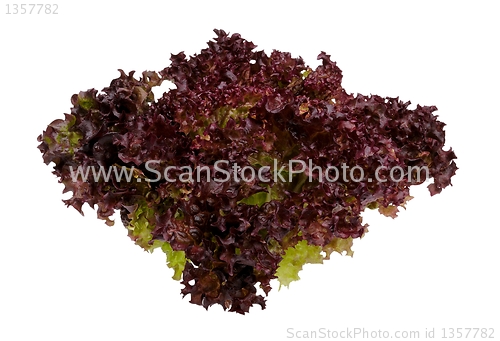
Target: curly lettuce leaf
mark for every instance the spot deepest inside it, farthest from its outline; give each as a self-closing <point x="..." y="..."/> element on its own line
<point x="294" y="259"/>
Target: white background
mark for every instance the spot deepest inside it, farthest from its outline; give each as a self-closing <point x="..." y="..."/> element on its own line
<point x="68" y="277"/>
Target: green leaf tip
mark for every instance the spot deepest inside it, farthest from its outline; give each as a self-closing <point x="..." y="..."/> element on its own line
<point x="175" y="260"/>
<point x="140" y="229"/>
<point x="294" y="259"/>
